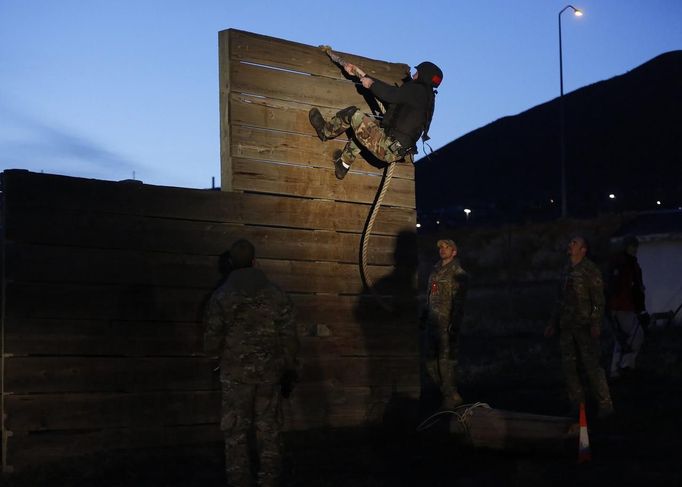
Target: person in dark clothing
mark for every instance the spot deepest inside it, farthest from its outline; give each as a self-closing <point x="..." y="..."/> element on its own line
<point x="250" y="326"/>
<point x="626" y="309"/>
<point x="408" y="117"/>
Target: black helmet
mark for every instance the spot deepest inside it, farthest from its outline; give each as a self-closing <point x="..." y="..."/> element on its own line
<point x="429" y="74"/>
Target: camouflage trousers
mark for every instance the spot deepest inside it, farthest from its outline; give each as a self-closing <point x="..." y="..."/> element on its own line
<point x="440" y="350"/>
<point x="252" y="420"/>
<point x="579" y="350"/>
<point x="366" y="133"/>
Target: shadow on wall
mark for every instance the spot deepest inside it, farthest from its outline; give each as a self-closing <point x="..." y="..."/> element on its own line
<point x="390" y="335"/>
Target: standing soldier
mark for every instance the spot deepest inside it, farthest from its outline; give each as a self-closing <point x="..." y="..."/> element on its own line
<point x="627" y="312"/>
<point x="249" y="323"/>
<point x="578" y="316"/>
<point x="442" y="318"/>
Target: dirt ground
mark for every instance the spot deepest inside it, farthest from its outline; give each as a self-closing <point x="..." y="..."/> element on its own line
<point x="639" y="445"/>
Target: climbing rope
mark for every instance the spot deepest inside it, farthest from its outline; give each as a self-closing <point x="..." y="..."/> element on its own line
<point x="385" y="182"/>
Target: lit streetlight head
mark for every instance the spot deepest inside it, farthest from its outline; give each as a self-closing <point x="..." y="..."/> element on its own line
<point x="577" y="12"/>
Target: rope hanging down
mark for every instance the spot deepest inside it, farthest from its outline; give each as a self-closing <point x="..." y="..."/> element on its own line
<point x="383" y="188"/>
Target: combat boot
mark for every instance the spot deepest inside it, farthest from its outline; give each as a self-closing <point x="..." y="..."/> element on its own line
<point x="318" y="123"/>
<point x="604" y="409"/>
<point x="340" y="170"/>
<point x="451" y="401"/>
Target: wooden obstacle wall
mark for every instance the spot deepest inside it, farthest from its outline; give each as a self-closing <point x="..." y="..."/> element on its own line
<point x="104" y="283"/>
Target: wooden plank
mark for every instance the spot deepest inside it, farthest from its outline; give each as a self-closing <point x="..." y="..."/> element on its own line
<point x="98" y="374"/>
<point x="257" y="176"/>
<point x="39" y="263"/>
<point x="271" y="51"/>
<point x="363" y="371"/>
<point x="115" y="231"/>
<point x="88" y="301"/>
<point x="101" y="337"/>
<point x="86" y="338"/>
<point x="27" y="450"/>
<point x="288" y="86"/>
<point x="144" y="303"/>
<point x="294" y="149"/>
<point x="49" y="412"/>
<point x="33" y="190"/>
<point x="315" y="404"/>
<point x="224" y="67"/>
<point x="69" y="375"/>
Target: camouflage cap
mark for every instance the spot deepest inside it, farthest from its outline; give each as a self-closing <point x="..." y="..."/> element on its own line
<point x="446" y="243"/>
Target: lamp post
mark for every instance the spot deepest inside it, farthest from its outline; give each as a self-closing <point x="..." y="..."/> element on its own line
<point x="562" y="123"/>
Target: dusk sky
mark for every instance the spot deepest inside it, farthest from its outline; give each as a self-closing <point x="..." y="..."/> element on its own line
<point x="102" y="89"/>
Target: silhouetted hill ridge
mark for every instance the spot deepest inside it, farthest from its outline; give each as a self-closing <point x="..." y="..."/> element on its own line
<point x="623" y="135"/>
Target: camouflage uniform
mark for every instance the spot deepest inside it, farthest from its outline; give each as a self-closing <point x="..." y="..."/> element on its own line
<point x="368" y="133"/>
<point x="249" y="322"/>
<point x="445" y="300"/>
<point x="580" y="308"/>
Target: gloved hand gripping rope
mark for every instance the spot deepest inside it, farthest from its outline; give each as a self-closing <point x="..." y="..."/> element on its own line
<point x="383" y="188"/>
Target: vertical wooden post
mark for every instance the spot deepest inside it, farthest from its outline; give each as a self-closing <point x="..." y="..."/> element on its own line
<point x="224" y="80"/>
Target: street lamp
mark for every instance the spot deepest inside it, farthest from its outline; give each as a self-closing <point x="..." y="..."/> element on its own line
<point x="564" y="211"/>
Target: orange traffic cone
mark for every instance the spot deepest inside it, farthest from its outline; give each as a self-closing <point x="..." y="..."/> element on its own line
<point x="584" y="454"/>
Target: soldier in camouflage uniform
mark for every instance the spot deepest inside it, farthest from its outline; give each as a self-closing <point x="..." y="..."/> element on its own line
<point x="447" y="287"/>
<point x="249" y="323"/>
<point x="406" y="119"/>
<point x="578" y="316"/>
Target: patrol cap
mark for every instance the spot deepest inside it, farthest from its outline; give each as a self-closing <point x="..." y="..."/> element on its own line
<point x="446" y="243"/>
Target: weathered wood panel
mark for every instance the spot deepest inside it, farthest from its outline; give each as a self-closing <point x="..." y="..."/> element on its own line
<point x="50" y="412"/>
<point x="99" y="374"/>
<point x="162" y="374"/>
<point x="179" y="305"/>
<point x="89" y="301"/>
<point x="30" y="190"/>
<point x="270" y="51"/>
<point x="251" y="175"/>
<point x="38" y="263"/>
<point x="288" y="86"/>
<point x="30" y="449"/>
<point x="108" y="281"/>
<point x="294" y="149"/>
<point x="31" y="336"/>
<point x="87" y="338"/>
<point x="114" y="231"/>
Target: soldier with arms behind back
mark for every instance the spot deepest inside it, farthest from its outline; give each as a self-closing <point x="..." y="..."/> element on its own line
<point x="578" y="316"/>
<point x="249" y="323"/>
<point x="442" y="318"/>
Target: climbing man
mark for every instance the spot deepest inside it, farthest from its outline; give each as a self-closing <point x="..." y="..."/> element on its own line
<point x="578" y="316"/>
<point x="408" y="116"/>
<point x="441" y="320"/>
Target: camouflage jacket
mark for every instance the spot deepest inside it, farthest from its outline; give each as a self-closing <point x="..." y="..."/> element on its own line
<point x="581" y="296"/>
<point x="447" y="291"/>
<point x="249" y="323"/>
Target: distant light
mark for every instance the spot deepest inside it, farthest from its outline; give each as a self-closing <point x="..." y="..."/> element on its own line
<point x="551" y="201"/>
<point x="612" y="196"/>
<point x="658" y="202"/>
<point x="419" y="225"/>
<point x="578" y="13"/>
<point x="467" y="211"/>
<point x="437" y="222"/>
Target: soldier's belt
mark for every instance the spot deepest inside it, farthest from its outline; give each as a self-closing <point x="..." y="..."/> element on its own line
<point x="397" y="148"/>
